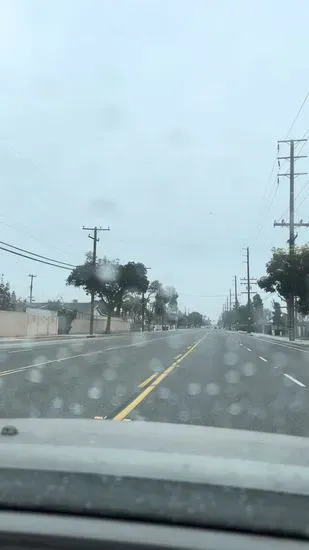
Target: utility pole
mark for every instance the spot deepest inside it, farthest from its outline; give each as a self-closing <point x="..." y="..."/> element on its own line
<point x="31" y="287"/>
<point x="248" y="281"/>
<point x="143" y="306"/>
<point x="230" y="294"/>
<point x="291" y="224"/>
<point x="95" y="239"/>
<point x="236" y="296"/>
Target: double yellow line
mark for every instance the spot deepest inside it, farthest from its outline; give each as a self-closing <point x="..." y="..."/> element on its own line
<point x="155" y="381"/>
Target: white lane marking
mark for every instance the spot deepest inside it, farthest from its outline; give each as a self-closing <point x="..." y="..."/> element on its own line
<point x="36" y="365"/>
<point x="249" y="349"/>
<point x="295" y="380"/>
<point x="282" y="345"/>
<point x="241" y="344"/>
<point x="263" y="358"/>
<point x="87" y="354"/>
<point x="21" y="350"/>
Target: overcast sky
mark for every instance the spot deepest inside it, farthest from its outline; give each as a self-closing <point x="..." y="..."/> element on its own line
<point x="158" y="118"/>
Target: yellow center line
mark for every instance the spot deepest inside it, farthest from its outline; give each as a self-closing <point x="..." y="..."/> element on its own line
<point x="129" y="408"/>
<point x="143" y="384"/>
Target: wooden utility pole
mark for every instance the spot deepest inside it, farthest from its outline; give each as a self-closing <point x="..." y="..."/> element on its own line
<point x="95" y="239"/>
<point x="31" y="287"/>
<point x="248" y="290"/>
<point x="248" y="281"/>
<point x="291" y="224"/>
<point x="236" y="295"/>
<point x="143" y="306"/>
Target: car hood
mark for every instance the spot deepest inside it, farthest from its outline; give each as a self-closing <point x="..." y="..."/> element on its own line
<point x="173" y="452"/>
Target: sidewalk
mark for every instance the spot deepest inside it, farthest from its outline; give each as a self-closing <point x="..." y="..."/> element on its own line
<point x="57" y="337"/>
<point x="280" y="338"/>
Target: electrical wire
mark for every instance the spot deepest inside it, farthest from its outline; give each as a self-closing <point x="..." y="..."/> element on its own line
<point x="274" y="189"/>
<point x="35" y="259"/>
<point x="297" y="115"/>
<point x="37" y="255"/>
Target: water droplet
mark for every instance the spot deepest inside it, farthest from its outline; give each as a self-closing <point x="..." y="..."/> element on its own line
<point x="230" y="358"/>
<point x="76" y="408"/>
<point x="94" y="393"/>
<point x="194" y="388"/>
<point x="3" y="356"/>
<point x="35" y="376"/>
<point x="155" y="365"/>
<point x="57" y="403"/>
<point x="234" y="409"/>
<point x="121" y="390"/>
<point x="62" y="353"/>
<point x="232" y="376"/>
<point x="212" y="388"/>
<point x="184" y="416"/>
<point x="164" y="393"/>
<point x="279" y="360"/>
<point x="39" y="359"/>
<point x="114" y="361"/>
<point x="249" y="369"/>
<point x="110" y="375"/>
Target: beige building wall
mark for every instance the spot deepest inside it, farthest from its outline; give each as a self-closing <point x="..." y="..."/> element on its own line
<point x="13" y="324"/>
<point x="31" y="323"/>
<point x="81" y="325"/>
<point x="41" y="322"/>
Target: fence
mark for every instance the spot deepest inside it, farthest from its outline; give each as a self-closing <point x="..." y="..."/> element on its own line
<point x="33" y="322"/>
<point x="81" y="325"/>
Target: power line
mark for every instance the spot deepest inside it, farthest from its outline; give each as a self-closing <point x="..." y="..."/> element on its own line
<point x="299" y="193"/>
<point x="22" y="227"/>
<point x="297" y="115"/>
<point x="37" y="255"/>
<point x="272" y="196"/>
<point x="34" y="259"/>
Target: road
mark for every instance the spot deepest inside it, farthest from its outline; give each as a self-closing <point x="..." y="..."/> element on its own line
<point x="192" y="376"/>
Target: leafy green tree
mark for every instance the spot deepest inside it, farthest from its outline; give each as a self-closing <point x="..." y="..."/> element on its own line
<point x="172" y="298"/>
<point x="6" y="302"/>
<point x="195" y="319"/>
<point x="257" y="311"/>
<point x="13" y="301"/>
<point x="160" y="302"/>
<point x="287" y="275"/>
<point x="110" y="281"/>
<point x="277" y="317"/>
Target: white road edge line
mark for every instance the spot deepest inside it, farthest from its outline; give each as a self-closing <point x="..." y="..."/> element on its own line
<point x="295" y="380"/>
<point x="263" y="358"/>
<point x="249" y="349"/>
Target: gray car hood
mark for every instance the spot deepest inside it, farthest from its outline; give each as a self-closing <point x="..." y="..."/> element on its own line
<point x="166" y="451"/>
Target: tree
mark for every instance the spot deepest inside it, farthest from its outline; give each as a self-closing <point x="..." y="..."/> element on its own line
<point x="7" y="300"/>
<point x="257" y="311"/>
<point x="172" y="298"/>
<point x="13" y="301"/>
<point x="160" y="302"/>
<point x="110" y="281"/>
<point x="277" y="316"/>
<point x="195" y="319"/>
<point x="287" y="275"/>
<point x="267" y="315"/>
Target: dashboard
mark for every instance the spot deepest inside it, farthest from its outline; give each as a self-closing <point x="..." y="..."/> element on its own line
<point x="22" y="530"/>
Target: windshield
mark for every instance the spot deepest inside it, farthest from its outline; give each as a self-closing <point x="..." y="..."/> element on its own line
<point x="154" y="256"/>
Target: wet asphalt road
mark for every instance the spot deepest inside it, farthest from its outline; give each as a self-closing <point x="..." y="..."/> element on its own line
<point x="196" y="376"/>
